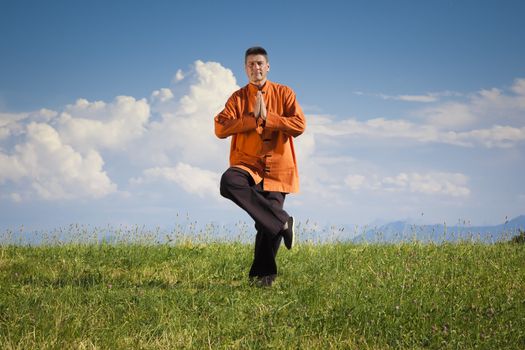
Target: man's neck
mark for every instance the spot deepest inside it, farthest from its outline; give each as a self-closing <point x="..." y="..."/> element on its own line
<point x="259" y="84"/>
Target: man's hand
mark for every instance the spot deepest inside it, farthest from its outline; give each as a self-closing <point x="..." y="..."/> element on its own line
<point x="259" y="110"/>
<point x="263" y="105"/>
<point x="257" y="106"/>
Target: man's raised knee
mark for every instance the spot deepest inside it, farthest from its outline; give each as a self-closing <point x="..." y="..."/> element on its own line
<point x="233" y="178"/>
<point x="224" y="185"/>
<point x="227" y="181"/>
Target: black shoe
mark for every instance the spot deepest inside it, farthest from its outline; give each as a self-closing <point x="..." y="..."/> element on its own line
<point x="289" y="234"/>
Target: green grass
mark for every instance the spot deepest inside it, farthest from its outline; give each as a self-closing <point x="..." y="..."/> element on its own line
<point x="197" y="296"/>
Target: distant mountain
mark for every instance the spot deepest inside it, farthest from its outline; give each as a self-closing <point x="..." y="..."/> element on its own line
<point x="402" y="231"/>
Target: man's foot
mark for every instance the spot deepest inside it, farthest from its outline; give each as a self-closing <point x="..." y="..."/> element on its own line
<point x="288" y="233"/>
<point x="262" y="281"/>
<point x="266" y="281"/>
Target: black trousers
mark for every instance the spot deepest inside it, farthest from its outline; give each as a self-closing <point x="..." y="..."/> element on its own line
<point x="266" y="209"/>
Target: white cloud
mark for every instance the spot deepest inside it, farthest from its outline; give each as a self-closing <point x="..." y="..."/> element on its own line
<point x="4" y="133"/>
<point x="483" y="109"/>
<point x="59" y="155"/>
<point x="497" y="136"/>
<point x="421" y="98"/>
<point x="449" y="115"/>
<point x="185" y="130"/>
<point x="399" y="181"/>
<point x="381" y="128"/>
<point x="179" y="75"/>
<point x="519" y="87"/>
<point x="433" y="183"/>
<point x="411" y="98"/>
<point x="355" y="182"/>
<point x="375" y="128"/>
<point x="9" y="118"/>
<point x="43" y="115"/>
<point x="11" y="123"/>
<point x="53" y="169"/>
<point x="480" y="110"/>
<point x="212" y="83"/>
<point x="162" y="95"/>
<point x="194" y="180"/>
<point x="95" y="125"/>
<point x="417" y="98"/>
<point x="16" y="197"/>
<point x="11" y="168"/>
<point x="439" y="183"/>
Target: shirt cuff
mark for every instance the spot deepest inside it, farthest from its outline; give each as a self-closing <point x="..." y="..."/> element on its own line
<point x="250" y="123"/>
<point x="273" y="120"/>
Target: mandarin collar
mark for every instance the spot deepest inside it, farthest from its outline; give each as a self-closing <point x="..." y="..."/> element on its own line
<point x="254" y="89"/>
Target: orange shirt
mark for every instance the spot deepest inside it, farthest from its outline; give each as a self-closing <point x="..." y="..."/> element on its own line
<point x="270" y="155"/>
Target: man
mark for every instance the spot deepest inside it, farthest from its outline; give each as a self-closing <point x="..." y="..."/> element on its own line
<point x="262" y="119"/>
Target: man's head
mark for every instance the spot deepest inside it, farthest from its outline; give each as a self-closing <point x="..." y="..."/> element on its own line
<point x="256" y="65"/>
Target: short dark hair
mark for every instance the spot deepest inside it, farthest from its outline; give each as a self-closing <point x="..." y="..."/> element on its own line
<point x="256" y="50"/>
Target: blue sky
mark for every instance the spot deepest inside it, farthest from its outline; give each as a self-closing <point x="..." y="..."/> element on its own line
<point x="415" y="109"/>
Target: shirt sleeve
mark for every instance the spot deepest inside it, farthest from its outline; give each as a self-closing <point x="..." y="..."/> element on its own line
<point x="292" y="122"/>
<point x="230" y="122"/>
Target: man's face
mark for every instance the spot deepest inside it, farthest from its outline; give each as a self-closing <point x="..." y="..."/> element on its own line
<point x="256" y="68"/>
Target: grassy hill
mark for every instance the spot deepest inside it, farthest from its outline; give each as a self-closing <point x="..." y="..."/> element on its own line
<point x="196" y="296"/>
